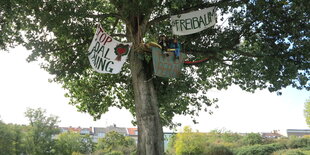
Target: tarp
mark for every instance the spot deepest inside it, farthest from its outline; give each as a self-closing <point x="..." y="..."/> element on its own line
<point x="193" y="22"/>
<point x="166" y="66"/>
<point x="105" y="54"/>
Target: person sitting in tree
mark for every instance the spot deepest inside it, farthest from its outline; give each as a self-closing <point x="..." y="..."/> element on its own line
<point x="174" y="44"/>
<point x="163" y="42"/>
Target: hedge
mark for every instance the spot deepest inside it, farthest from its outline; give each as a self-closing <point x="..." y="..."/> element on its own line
<point x="259" y="149"/>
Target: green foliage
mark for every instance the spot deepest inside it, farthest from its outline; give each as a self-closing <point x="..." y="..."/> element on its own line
<point x="225" y="138"/>
<point x="298" y="143"/>
<point x="188" y="142"/>
<point x="99" y="152"/>
<point x="115" y="153"/>
<point x="217" y="150"/>
<point x="11" y="139"/>
<point x="283" y="141"/>
<point x="252" y="139"/>
<point x="231" y="137"/>
<point x="215" y="142"/>
<point x="170" y="148"/>
<point x="114" y="141"/>
<point x="289" y="152"/>
<point x="68" y="142"/>
<point x="274" y="54"/>
<point x="264" y="45"/>
<point x="6" y="140"/>
<point x="307" y="112"/>
<point x="299" y="151"/>
<point x="18" y="138"/>
<point x="76" y="153"/>
<point x="39" y="138"/>
<point x="224" y="142"/>
<point x="306" y="151"/>
<point x="259" y="149"/>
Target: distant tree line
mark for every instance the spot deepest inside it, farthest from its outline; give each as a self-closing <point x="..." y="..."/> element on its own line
<point x="42" y="137"/>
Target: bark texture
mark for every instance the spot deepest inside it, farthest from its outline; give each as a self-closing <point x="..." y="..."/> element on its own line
<point x="150" y="137"/>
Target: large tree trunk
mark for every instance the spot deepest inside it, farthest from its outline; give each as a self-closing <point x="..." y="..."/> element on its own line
<point x="150" y="132"/>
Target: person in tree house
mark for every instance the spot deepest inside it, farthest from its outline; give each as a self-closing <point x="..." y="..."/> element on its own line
<point x="176" y="47"/>
<point x="163" y="42"/>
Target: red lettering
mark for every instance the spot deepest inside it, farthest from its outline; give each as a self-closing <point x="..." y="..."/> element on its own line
<point x="109" y="39"/>
<point x="100" y="30"/>
<point x="103" y="37"/>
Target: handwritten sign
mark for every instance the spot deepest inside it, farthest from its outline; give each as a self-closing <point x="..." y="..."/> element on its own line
<point x="167" y="66"/>
<point x="105" y="54"/>
<point x="193" y="22"/>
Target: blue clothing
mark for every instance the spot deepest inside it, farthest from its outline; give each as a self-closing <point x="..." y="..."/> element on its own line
<point x="177" y="48"/>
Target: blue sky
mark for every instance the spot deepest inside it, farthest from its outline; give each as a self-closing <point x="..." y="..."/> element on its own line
<point x="25" y="85"/>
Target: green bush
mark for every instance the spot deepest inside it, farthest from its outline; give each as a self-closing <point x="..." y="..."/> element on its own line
<point x="282" y="141"/>
<point x="252" y="139"/>
<point x="306" y="152"/>
<point x="289" y="152"/>
<point x="217" y="150"/>
<point x="103" y="152"/>
<point x="259" y="149"/>
<point x="115" y="153"/>
<point x="298" y="143"/>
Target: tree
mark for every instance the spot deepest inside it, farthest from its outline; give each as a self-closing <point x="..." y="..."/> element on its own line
<point x="68" y="142"/>
<point x="11" y="139"/>
<point x="223" y="137"/>
<point x="39" y="138"/>
<point x="170" y="147"/>
<point x="265" y="45"/>
<point x="307" y="112"/>
<point x="114" y="141"/>
<point x="6" y="140"/>
<point x="19" y="132"/>
<point x="189" y="143"/>
<point x="252" y="139"/>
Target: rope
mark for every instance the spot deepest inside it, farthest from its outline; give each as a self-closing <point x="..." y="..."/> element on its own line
<point x="208" y="58"/>
<point x="195" y="62"/>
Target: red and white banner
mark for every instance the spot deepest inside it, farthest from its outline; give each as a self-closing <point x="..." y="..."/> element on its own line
<point x="105" y="54"/>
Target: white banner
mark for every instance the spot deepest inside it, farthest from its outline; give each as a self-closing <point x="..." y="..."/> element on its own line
<point x="193" y="22"/>
<point x="105" y="54"/>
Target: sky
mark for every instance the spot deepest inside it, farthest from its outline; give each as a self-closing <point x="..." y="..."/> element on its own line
<point x="25" y="85"/>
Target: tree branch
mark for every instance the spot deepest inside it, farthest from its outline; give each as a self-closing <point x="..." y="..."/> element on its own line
<point x="189" y="63"/>
<point x="102" y="16"/>
<point x="119" y="35"/>
<point x="248" y="54"/>
<point x="114" y="25"/>
<point x="209" y="51"/>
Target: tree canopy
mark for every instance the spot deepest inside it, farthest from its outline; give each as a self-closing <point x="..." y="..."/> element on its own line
<point x="260" y="44"/>
<point x="188" y="142"/>
<point x="39" y="138"/>
<point x="114" y="141"/>
<point x="11" y="139"/>
<point x="263" y="44"/>
<point x="69" y="142"/>
<point x="42" y="136"/>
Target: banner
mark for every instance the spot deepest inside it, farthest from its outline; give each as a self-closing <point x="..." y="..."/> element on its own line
<point x="166" y="66"/>
<point x="105" y="54"/>
<point x="193" y="22"/>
